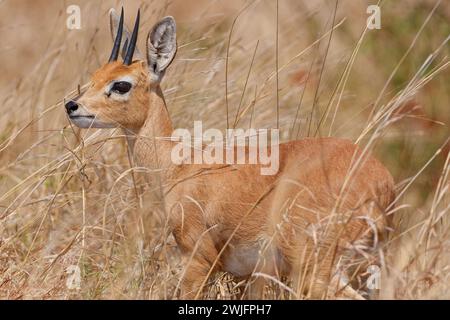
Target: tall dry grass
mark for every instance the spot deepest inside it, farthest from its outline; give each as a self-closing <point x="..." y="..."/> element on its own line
<point x="67" y="196"/>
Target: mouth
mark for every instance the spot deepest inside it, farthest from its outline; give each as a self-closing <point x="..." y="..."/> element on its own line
<point x="81" y="117"/>
<point x="88" y="121"/>
<point x="83" y="121"/>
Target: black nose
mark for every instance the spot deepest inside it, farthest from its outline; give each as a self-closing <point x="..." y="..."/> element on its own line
<point x="71" y="106"/>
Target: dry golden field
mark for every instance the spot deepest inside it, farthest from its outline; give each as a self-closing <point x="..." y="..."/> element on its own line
<point x="67" y="199"/>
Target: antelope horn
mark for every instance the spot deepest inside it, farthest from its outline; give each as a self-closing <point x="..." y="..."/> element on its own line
<point x="129" y="56"/>
<point x="117" y="41"/>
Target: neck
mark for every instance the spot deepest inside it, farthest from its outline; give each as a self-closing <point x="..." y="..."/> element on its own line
<point x="151" y="146"/>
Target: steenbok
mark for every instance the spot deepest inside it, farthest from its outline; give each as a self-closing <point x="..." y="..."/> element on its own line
<point x="317" y="222"/>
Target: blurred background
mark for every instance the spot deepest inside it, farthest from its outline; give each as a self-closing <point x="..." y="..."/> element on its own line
<point x="62" y="193"/>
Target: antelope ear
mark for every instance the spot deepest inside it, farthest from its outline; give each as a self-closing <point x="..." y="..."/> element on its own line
<point x="114" y="19"/>
<point x="161" y="47"/>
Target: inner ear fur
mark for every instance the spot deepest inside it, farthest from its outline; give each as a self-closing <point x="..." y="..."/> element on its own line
<point x="161" y="47"/>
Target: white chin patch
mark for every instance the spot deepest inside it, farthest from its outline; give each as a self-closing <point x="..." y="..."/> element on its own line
<point x="89" y="122"/>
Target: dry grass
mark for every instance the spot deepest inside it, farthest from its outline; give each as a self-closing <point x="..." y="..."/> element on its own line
<point x="67" y="196"/>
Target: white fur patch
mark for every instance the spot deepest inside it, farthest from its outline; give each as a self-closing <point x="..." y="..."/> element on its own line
<point x="87" y="122"/>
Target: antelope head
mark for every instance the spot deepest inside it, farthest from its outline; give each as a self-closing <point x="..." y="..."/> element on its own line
<point x="117" y="95"/>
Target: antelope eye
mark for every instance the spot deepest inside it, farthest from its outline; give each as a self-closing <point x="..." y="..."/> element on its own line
<point x="121" y="87"/>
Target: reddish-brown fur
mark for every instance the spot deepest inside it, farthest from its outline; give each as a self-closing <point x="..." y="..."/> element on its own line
<point x="299" y="222"/>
